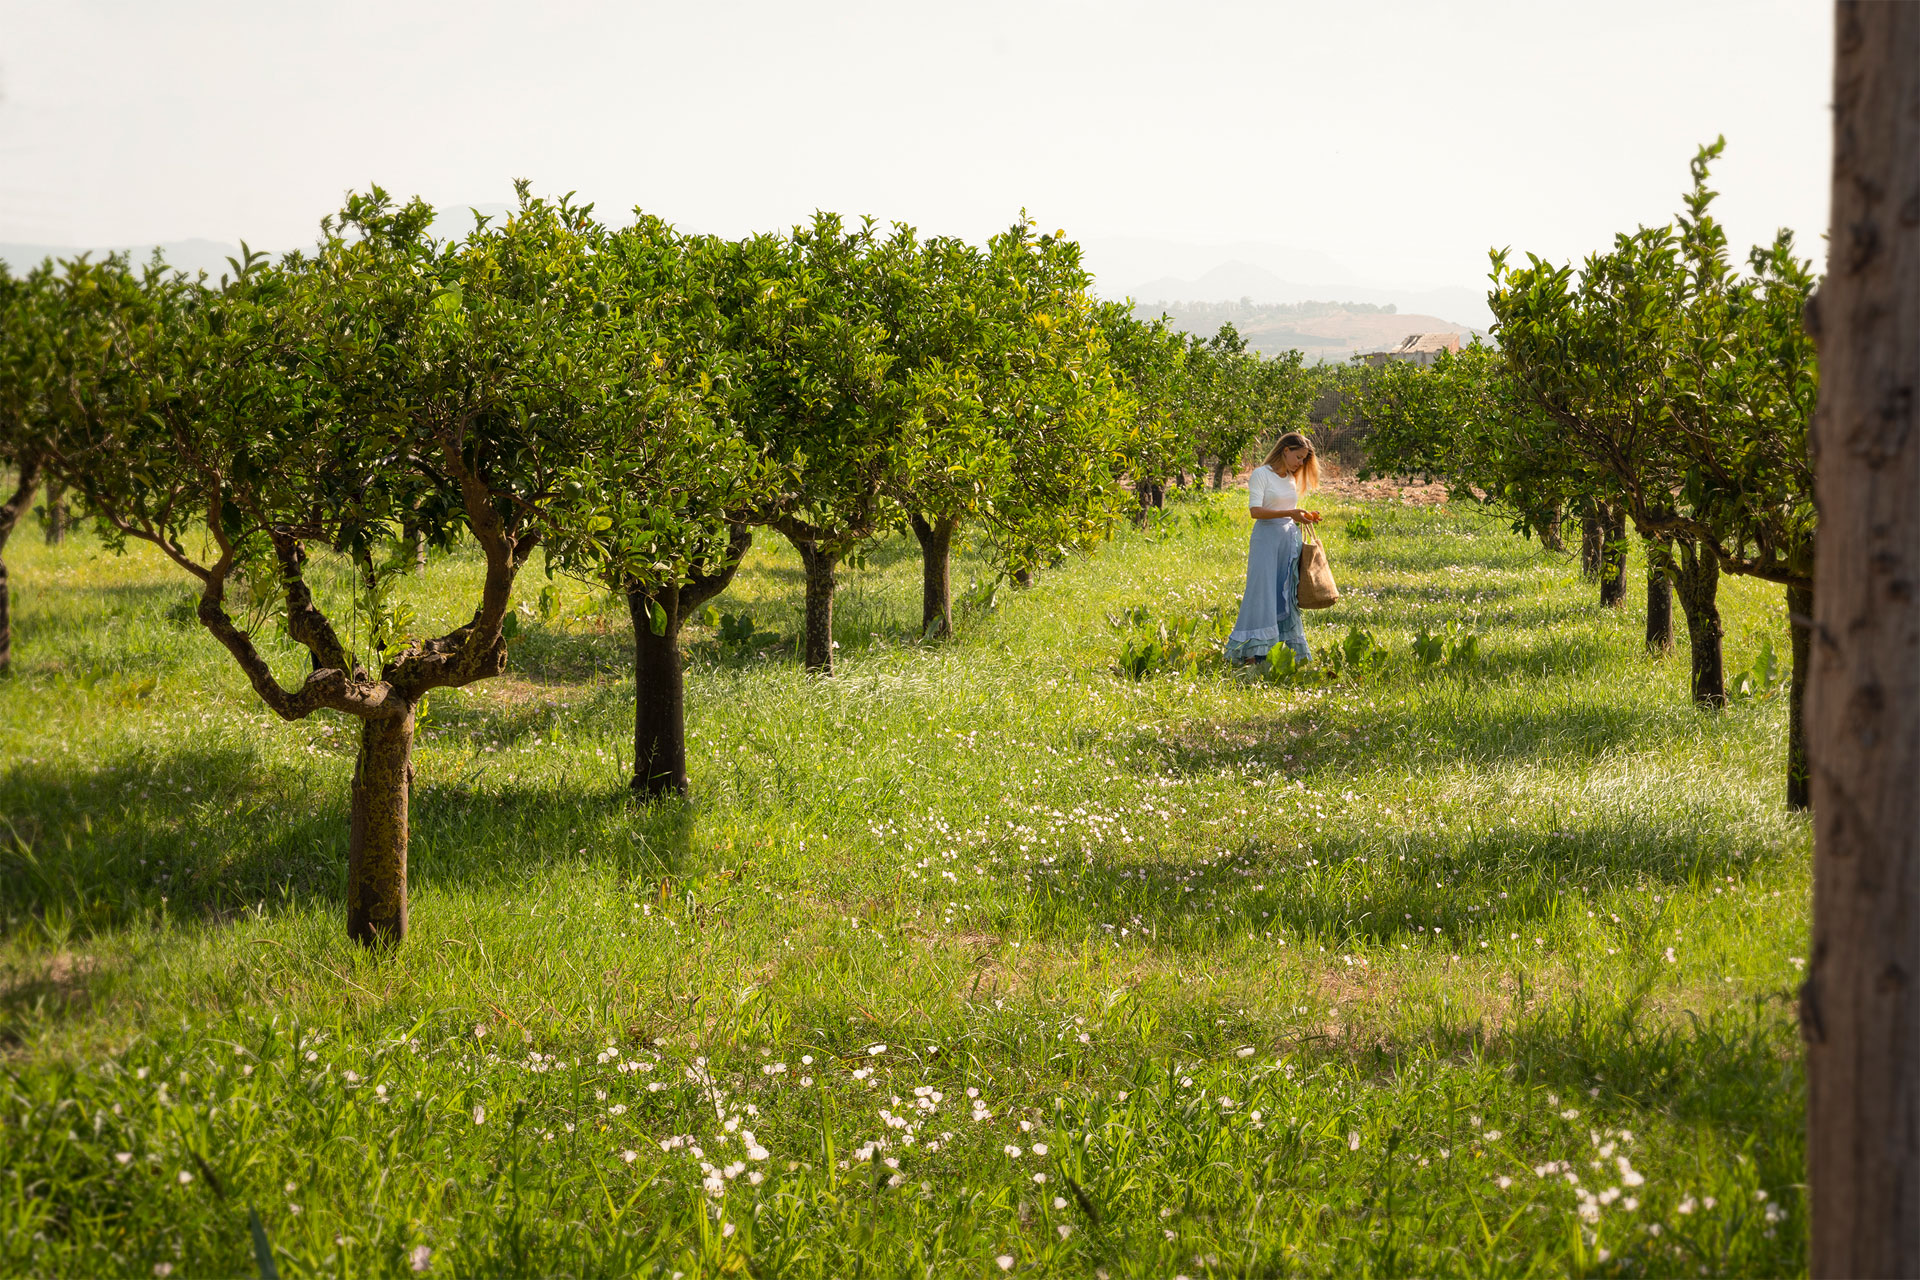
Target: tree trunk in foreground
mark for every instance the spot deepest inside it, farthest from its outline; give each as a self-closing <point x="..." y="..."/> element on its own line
<point x="1696" y="580"/>
<point x="1659" y="600"/>
<point x="1800" y="618"/>
<point x="10" y="515"/>
<point x="377" y="846"/>
<point x="1593" y="541"/>
<point x="1613" y="560"/>
<point x="820" y="565"/>
<point x="1860" y="1008"/>
<point x="936" y="575"/>
<point x="1219" y="476"/>
<point x="659" y="680"/>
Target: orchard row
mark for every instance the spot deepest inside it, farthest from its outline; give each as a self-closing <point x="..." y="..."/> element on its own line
<point x="628" y="403"/>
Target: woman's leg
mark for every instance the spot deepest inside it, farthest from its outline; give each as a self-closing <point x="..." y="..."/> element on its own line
<point x="1254" y="632"/>
<point x="1293" y="632"/>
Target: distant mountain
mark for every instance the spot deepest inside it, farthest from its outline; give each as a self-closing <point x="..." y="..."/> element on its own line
<point x="1248" y="282"/>
<point x="189" y="256"/>
<point x="1325" y="332"/>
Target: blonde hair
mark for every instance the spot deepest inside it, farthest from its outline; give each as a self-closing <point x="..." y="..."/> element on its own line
<point x="1307" y="477"/>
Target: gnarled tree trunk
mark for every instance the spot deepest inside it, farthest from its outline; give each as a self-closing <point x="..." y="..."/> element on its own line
<point x="936" y="574"/>
<point x="1593" y="542"/>
<point x="1659" y="599"/>
<point x="659" y="680"/>
<point x="818" y="639"/>
<point x="377" y="844"/>
<point x="10" y="513"/>
<point x="59" y="517"/>
<point x="1696" y="580"/>
<point x="1860" y="1008"/>
<point x="1613" y="560"/>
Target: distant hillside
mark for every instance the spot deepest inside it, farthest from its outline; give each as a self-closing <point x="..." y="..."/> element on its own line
<point x="1251" y="283"/>
<point x="1323" y="331"/>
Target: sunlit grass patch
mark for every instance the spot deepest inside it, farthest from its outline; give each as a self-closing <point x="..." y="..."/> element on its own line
<point x="1441" y="969"/>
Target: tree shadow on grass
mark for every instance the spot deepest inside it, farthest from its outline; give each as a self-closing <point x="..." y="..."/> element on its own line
<point x="1345" y="888"/>
<point x="205" y="834"/>
<point x="1304" y="739"/>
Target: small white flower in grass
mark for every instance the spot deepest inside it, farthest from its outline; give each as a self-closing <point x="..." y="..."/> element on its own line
<point x="629" y="1156"/>
<point x="1353" y="1140"/>
<point x="892" y="1162"/>
<point x="185" y="1177"/>
<point x="876" y="1049"/>
<point x="756" y="1177"/>
<point x="1012" y="1151"/>
<point x="1064" y="1230"/>
<point x="726" y="1229"/>
<point x="1707" y="1202"/>
<point x="806" y="1059"/>
<point x="1243" y="1053"/>
<point x="1039" y="1148"/>
<point x="1503" y="1182"/>
<point x="421" y="1258"/>
<point x="479" y="1115"/>
<point x="1570" y="1114"/>
<point x="1630" y="1204"/>
<point x="163" y="1268"/>
<point x="1494" y="1135"/>
<point x="1688" y="1205"/>
<point x="124" y="1157"/>
<point x="806" y="1082"/>
<point x="973" y="1093"/>
<point x="1006" y="1261"/>
<point x="1122" y="1095"/>
<point x="1026" y="1126"/>
<point x="1059" y="1202"/>
<point x="617" y="1109"/>
<point x="1040" y="1178"/>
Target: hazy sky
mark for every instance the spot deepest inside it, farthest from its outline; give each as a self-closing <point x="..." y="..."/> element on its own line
<point x="1383" y="143"/>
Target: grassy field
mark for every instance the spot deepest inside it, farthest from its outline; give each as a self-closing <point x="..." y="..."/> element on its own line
<point x="977" y="958"/>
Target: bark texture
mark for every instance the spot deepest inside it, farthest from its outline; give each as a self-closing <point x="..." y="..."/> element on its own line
<point x="820" y="564"/>
<point x="10" y="513"/>
<point x="1659" y="600"/>
<point x="1800" y="618"/>
<point x="377" y="845"/>
<point x="659" y="681"/>
<point x="1219" y="476"/>
<point x="1860" y="1007"/>
<point x="1593" y="540"/>
<point x="936" y="575"/>
<point x="1613" y="560"/>
<point x="59" y="517"/>
<point x="1696" y="580"/>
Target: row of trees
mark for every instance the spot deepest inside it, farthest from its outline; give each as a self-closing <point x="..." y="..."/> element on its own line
<point x="1658" y="386"/>
<point x="629" y="403"/>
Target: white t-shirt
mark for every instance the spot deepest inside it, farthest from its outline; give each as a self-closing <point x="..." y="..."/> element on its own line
<point x="1267" y="488"/>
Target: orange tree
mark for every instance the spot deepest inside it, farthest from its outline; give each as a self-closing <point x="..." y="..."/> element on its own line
<point x="1015" y="406"/>
<point x="323" y="405"/>
<point x="648" y="506"/>
<point x="1689" y="386"/>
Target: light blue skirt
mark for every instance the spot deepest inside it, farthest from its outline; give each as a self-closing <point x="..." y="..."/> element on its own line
<point x="1270" y="609"/>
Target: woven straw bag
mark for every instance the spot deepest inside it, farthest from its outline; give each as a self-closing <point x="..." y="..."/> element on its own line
<point x="1316" y="579"/>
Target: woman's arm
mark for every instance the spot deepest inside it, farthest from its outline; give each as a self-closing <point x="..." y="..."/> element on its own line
<point x="1284" y="513"/>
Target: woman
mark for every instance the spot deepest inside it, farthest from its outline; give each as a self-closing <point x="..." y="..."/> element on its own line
<point x="1270" y="611"/>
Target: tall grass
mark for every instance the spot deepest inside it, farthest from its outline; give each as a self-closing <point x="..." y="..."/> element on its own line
<point x="976" y="958"/>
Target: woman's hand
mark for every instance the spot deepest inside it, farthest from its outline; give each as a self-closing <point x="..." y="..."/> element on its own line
<point x="1307" y="517"/>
